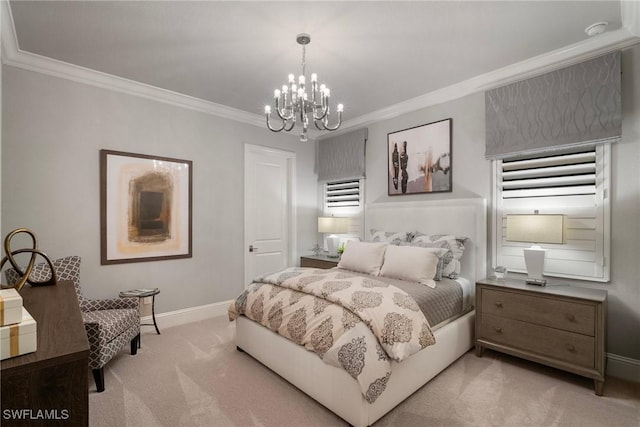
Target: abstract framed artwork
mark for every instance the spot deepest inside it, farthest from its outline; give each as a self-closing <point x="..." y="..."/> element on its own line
<point x="419" y="159"/>
<point x="145" y="207"/>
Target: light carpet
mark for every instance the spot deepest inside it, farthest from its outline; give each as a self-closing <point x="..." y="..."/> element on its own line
<point x="192" y="375"/>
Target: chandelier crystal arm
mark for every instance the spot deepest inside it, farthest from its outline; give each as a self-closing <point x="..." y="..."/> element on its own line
<point x="325" y="122"/>
<point x="272" y="129"/>
<point x="288" y="128"/>
<point x="323" y="109"/>
<point x="285" y="113"/>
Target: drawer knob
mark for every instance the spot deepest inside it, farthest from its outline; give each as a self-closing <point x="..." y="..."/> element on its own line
<point x="571" y="317"/>
<point x="499" y="304"/>
<point x="571" y="348"/>
<point x="498" y="329"/>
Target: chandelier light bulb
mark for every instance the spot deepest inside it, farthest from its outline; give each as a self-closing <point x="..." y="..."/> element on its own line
<point x="327" y="92"/>
<point x="301" y="80"/>
<point x="285" y="89"/>
<point x="323" y="88"/>
<point x="292" y="78"/>
<point x="314" y="78"/>
<point x="340" y="108"/>
<point x="294" y="88"/>
<point x="267" y="109"/>
<point x="276" y="93"/>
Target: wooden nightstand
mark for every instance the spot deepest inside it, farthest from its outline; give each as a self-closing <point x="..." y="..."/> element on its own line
<point x="318" y="261"/>
<point x="559" y="326"/>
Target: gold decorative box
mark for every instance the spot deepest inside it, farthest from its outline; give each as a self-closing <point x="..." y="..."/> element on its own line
<point x="19" y="338"/>
<point x="10" y="307"/>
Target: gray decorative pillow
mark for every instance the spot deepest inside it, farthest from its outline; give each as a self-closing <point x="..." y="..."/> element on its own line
<point x="391" y="237"/>
<point x="449" y="265"/>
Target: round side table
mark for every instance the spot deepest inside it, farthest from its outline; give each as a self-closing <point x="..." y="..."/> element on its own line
<point x="144" y="293"/>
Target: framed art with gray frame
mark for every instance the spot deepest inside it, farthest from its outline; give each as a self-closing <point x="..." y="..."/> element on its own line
<point x="145" y="207"/>
<point x="419" y="159"/>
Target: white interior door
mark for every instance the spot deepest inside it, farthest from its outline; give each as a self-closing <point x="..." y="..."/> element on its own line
<point x="268" y="216"/>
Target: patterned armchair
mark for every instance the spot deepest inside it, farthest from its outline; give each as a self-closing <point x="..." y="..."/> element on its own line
<point x="110" y="323"/>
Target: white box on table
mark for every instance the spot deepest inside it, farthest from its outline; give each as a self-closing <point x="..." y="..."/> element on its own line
<point x="19" y="338"/>
<point x="10" y="307"/>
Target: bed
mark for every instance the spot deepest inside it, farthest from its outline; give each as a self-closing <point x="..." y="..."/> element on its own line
<point x="334" y="387"/>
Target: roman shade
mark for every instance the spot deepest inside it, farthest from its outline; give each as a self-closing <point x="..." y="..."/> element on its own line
<point x="576" y="105"/>
<point x="342" y="157"/>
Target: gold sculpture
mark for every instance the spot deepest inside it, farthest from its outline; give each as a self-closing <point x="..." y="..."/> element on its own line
<point x="24" y="275"/>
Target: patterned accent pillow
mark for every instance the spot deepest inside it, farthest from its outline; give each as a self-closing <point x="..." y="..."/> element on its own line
<point x="391" y="237"/>
<point x="449" y="265"/>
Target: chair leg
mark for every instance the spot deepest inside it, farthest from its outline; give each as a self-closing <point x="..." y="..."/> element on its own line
<point x="98" y="376"/>
<point x="134" y="345"/>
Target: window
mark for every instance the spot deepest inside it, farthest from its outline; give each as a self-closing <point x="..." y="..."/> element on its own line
<point x="345" y="199"/>
<point x="574" y="183"/>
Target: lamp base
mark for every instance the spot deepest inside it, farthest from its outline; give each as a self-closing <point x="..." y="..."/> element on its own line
<point x="534" y="261"/>
<point x="332" y="246"/>
<point x="537" y="282"/>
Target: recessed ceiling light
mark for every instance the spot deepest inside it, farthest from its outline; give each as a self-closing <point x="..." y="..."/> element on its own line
<point x="597" y="28"/>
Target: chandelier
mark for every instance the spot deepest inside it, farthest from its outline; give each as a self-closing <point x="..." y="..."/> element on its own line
<point x="295" y="103"/>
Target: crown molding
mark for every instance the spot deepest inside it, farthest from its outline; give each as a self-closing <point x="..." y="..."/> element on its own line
<point x="528" y="68"/>
<point x="624" y="37"/>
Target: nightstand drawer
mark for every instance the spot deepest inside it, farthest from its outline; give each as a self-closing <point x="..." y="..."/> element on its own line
<point x="319" y="262"/>
<point x="554" y="313"/>
<point x="569" y="347"/>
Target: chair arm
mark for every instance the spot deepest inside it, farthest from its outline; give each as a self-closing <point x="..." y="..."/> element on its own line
<point x="110" y="304"/>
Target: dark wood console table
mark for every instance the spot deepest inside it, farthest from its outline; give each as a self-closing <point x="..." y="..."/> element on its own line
<point x="50" y="386"/>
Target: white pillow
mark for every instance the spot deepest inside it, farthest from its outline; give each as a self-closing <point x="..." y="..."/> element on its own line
<point x="412" y="263"/>
<point x="363" y="257"/>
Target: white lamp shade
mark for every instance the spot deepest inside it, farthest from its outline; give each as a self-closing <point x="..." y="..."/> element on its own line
<point x="333" y="225"/>
<point x="536" y="228"/>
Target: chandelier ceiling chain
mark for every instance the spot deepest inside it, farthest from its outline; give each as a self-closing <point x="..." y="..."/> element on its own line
<point x="293" y="103"/>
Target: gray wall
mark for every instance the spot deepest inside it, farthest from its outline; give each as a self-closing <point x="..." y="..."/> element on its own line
<point x="471" y="171"/>
<point x="624" y="288"/>
<point x="472" y="178"/>
<point x="53" y="130"/>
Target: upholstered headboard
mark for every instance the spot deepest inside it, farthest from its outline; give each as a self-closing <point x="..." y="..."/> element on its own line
<point x="462" y="217"/>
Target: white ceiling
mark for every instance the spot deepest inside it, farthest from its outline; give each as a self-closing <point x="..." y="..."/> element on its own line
<point x="371" y="54"/>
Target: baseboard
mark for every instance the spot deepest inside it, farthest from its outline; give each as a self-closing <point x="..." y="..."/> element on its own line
<point x="189" y="315"/>
<point x="623" y="367"/>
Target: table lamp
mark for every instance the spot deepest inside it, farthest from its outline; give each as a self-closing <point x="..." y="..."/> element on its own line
<point x="332" y="225"/>
<point x="535" y="229"/>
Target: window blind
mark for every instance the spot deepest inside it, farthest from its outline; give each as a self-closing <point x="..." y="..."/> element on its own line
<point x="571" y="183"/>
<point x="345" y="199"/>
<point x="343" y="194"/>
<point x="342" y="157"/>
<point x="576" y="105"/>
<point x="555" y="175"/>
